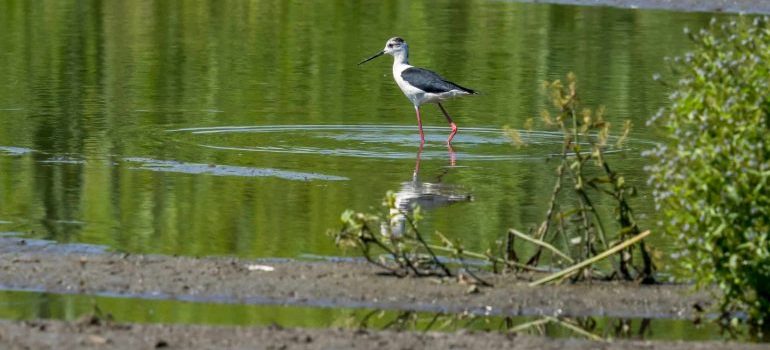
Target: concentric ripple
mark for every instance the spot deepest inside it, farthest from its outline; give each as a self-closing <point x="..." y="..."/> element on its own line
<point x="374" y="141"/>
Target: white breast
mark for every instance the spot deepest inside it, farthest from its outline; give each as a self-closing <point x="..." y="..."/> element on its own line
<point x="414" y="94"/>
<point x="417" y="96"/>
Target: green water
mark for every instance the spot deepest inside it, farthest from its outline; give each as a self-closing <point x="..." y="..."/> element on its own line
<point x="32" y="305"/>
<point x="246" y="128"/>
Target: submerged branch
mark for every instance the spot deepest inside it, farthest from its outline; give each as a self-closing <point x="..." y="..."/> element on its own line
<point x="574" y="328"/>
<point x="528" y="325"/>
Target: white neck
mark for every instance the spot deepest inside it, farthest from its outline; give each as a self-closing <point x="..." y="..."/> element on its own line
<point x="401" y="58"/>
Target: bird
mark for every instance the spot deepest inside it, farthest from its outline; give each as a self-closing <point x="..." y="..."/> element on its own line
<point x="420" y="85"/>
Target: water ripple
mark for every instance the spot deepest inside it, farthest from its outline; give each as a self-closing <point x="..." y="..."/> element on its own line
<point x="226" y="170"/>
<point x="377" y="141"/>
<point x="15" y="151"/>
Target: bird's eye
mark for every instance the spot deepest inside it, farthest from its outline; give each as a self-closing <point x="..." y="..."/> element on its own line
<point x="390" y="45"/>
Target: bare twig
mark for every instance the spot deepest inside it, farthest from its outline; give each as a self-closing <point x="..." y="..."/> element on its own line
<point x="574" y="268"/>
<point x="542" y="244"/>
<point x="427" y="246"/>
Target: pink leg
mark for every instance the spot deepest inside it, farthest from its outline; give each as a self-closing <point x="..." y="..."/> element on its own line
<point x="451" y="123"/>
<point x="417" y="165"/>
<point x="419" y="124"/>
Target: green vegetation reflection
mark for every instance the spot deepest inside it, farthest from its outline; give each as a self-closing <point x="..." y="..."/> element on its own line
<point x="32" y="305"/>
<point x="87" y="84"/>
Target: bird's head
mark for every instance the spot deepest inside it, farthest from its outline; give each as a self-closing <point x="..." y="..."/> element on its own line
<point x="394" y="46"/>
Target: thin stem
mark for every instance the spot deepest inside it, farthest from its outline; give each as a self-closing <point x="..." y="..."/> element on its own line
<point x="491" y="258"/>
<point x="575" y="328"/>
<point x="525" y="326"/>
<point x="427" y="246"/>
<point x="370" y="237"/>
<point x="551" y="209"/>
<point x="542" y="244"/>
<point x="432" y="322"/>
<point x="595" y="259"/>
<point x="470" y="273"/>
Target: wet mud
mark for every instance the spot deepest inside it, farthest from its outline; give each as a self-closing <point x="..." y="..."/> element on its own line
<point x="31" y="265"/>
<point x="44" y="266"/>
<point x="93" y="333"/>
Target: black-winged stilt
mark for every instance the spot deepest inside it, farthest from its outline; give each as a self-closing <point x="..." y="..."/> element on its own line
<point x="420" y="85"/>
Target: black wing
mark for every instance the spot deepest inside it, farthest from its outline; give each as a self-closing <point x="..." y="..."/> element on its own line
<point x="428" y="81"/>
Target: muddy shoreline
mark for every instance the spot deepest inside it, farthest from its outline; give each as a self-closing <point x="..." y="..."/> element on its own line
<point x="30" y="265"/>
<point x="79" y="269"/>
<point x="97" y="334"/>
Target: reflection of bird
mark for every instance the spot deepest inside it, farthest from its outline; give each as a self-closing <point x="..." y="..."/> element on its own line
<point x="420" y="85"/>
<point x="426" y="195"/>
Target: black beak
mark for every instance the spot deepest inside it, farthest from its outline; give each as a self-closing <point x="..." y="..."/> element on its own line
<point x="371" y="58"/>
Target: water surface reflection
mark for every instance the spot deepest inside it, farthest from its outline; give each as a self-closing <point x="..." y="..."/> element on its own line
<point x="272" y="88"/>
<point x="423" y="194"/>
<point x="34" y="305"/>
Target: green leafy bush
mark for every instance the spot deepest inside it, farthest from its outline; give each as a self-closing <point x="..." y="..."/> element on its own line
<point x="712" y="177"/>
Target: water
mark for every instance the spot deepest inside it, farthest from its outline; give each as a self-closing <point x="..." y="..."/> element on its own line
<point x="31" y="306"/>
<point x="246" y="128"/>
